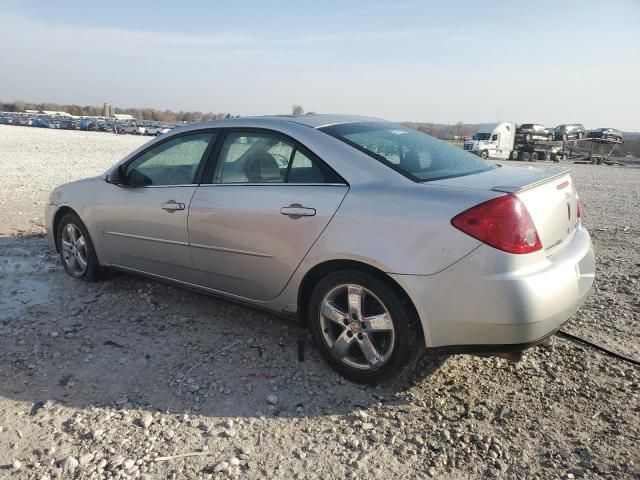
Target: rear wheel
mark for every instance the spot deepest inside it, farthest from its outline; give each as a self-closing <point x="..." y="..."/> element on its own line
<point x="363" y="328"/>
<point x="76" y="249"/>
<point x="526" y="156"/>
<point x="514" y="155"/>
<point x="534" y="157"/>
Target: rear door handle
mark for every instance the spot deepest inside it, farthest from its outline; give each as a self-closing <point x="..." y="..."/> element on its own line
<point x="295" y="210"/>
<point x="172" y="206"/>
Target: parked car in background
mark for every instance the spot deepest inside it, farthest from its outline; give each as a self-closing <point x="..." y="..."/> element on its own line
<point x="152" y="129"/>
<point x="534" y="131"/>
<point x="569" y="131"/>
<point x="69" y="124"/>
<point x="163" y="129"/>
<point x="134" y="129"/>
<point x="40" y="123"/>
<point x="305" y="221"/>
<point x="607" y="134"/>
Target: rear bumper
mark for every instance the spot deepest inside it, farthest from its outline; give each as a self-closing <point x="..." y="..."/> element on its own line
<point x="493" y="301"/>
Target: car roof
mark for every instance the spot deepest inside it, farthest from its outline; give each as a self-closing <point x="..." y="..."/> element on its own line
<point x="314" y="120"/>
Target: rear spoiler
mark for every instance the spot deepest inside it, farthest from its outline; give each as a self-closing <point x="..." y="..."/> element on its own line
<point x="521" y="188"/>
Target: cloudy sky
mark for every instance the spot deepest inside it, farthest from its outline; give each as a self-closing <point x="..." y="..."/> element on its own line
<point x="551" y="62"/>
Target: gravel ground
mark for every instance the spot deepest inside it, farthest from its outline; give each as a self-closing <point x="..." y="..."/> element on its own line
<point x="127" y="378"/>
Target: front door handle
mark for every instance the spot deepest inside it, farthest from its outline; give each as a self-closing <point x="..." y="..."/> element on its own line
<point x="172" y="206"/>
<point x="295" y="210"/>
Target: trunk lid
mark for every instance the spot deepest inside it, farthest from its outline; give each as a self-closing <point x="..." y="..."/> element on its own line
<point x="549" y="195"/>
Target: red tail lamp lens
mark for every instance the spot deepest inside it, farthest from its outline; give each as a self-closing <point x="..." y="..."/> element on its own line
<point x="502" y="222"/>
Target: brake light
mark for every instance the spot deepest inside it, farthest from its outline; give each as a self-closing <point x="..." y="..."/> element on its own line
<point x="503" y="223"/>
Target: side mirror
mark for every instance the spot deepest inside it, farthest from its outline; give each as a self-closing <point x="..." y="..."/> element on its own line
<point x="116" y="176"/>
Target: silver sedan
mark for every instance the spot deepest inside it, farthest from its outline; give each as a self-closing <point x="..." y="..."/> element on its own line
<point x="381" y="239"/>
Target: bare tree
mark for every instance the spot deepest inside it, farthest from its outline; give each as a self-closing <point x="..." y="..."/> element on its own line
<point x="297" y="110"/>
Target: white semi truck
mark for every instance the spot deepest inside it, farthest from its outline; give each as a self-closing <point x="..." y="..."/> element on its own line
<point x="499" y="141"/>
<point x="493" y="141"/>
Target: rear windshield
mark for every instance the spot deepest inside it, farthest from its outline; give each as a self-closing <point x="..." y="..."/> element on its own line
<point x="414" y="154"/>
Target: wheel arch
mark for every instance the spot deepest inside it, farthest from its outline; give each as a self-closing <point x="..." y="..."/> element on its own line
<point x="322" y="269"/>
<point x="57" y="218"/>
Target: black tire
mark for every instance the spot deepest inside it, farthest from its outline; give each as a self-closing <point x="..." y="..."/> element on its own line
<point x="484" y="154"/>
<point x="514" y="155"/>
<point x="534" y="157"/>
<point x="543" y="156"/>
<point x="526" y="156"/>
<point x="94" y="271"/>
<point x="407" y="332"/>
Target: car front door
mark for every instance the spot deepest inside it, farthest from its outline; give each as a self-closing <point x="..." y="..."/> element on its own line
<point x="142" y="223"/>
<point x="267" y="201"/>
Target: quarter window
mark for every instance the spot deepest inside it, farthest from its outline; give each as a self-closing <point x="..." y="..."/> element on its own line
<point x="174" y="162"/>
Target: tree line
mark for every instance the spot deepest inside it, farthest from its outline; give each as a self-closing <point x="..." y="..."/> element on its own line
<point x="96" y="111"/>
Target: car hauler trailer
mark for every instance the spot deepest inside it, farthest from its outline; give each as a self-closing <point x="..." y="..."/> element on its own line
<point x="499" y="141"/>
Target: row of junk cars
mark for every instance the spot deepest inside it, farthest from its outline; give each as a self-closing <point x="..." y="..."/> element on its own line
<point x="87" y="124"/>
<point x="569" y="131"/>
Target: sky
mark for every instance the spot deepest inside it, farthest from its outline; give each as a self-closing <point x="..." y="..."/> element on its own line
<point x="549" y="62"/>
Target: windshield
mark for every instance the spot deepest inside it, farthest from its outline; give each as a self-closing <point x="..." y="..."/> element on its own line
<point x="414" y="154"/>
<point x="482" y="136"/>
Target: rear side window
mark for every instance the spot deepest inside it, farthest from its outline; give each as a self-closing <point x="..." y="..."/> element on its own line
<point x="261" y="157"/>
<point x="416" y="155"/>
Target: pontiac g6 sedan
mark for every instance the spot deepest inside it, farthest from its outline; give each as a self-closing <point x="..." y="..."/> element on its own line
<point x="381" y="239"/>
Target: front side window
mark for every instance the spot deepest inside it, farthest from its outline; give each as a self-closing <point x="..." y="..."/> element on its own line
<point x="174" y="162"/>
<point x="261" y="157"/>
<point x="417" y="155"/>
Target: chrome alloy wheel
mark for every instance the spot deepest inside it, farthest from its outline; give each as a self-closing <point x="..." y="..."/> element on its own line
<point x="357" y="327"/>
<point x="74" y="250"/>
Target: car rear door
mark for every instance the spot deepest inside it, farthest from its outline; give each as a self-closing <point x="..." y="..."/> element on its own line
<point x="142" y="223"/>
<point x="267" y="201"/>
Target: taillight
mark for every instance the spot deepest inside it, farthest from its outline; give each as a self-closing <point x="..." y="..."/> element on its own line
<point x="503" y="223"/>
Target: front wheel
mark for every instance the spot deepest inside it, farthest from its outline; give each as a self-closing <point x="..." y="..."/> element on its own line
<point x="76" y="249"/>
<point x="484" y="154"/>
<point x="363" y="328"/>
